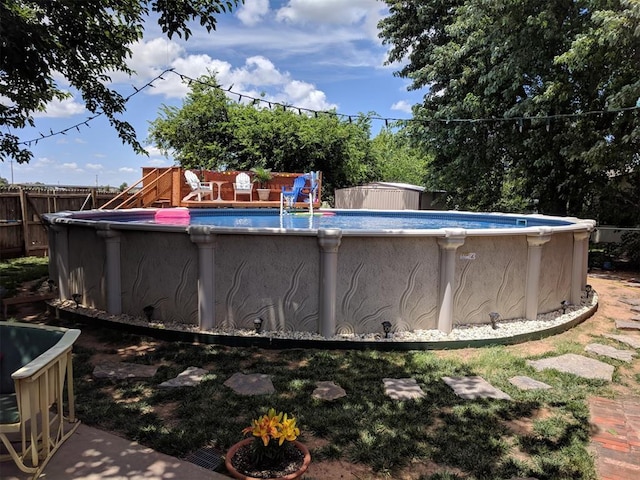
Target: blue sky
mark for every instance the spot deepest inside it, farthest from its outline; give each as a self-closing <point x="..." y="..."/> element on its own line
<point x="315" y="54"/>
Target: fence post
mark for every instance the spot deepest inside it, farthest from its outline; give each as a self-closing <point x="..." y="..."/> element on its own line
<point x="26" y="237"/>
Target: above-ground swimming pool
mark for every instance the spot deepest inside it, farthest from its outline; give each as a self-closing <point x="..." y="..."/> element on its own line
<point x="336" y="272"/>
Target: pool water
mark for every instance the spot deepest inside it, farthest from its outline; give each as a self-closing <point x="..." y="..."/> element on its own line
<point x="352" y="220"/>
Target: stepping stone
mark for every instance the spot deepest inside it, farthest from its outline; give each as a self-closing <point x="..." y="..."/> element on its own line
<point x="576" y="364"/>
<point x="402" y="388"/>
<point x="636" y="318"/>
<point x="627" y="325"/>
<point x="528" y="383"/>
<point x="123" y="370"/>
<point x="635" y="309"/>
<point x="252" y="384"/>
<point x="191" y="377"/>
<point x="628" y="339"/>
<point x="473" y="387"/>
<point x="611" y="352"/>
<point x="328" y="391"/>
<point x="635" y="302"/>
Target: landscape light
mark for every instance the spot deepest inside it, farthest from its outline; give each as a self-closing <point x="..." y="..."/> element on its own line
<point x="148" y="312"/>
<point x="494" y="317"/>
<point x="257" y="323"/>
<point x="386" y="327"/>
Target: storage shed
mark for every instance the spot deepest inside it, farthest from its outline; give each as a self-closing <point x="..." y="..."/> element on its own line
<point x="386" y="196"/>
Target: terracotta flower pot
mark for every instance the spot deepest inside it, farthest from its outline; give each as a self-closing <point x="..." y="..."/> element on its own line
<point x="263" y="194"/>
<point x="241" y="476"/>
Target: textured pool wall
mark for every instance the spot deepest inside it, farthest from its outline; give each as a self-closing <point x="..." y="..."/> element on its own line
<point x="387" y="279"/>
<point x="327" y="283"/>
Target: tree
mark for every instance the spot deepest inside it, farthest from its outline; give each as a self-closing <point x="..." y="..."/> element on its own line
<point x="82" y="41"/>
<point x="509" y="87"/>
<point x="397" y="160"/>
<point x="210" y="131"/>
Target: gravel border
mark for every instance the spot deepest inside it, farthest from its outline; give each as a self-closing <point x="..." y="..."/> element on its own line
<point x="471" y="332"/>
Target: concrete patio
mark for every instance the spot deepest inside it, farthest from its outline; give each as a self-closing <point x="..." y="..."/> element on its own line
<point x="92" y="454"/>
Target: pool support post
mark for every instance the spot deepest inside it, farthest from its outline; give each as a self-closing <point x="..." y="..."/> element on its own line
<point x="329" y="241"/>
<point x="59" y="258"/>
<point x="448" y="245"/>
<point x="114" y="280"/>
<point x="205" y="241"/>
<point x="578" y="265"/>
<point x="534" y="259"/>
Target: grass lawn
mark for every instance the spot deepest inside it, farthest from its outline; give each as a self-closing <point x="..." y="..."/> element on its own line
<point x="18" y="270"/>
<point x="543" y="434"/>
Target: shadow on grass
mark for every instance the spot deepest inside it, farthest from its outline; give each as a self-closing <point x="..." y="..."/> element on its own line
<point x="364" y="427"/>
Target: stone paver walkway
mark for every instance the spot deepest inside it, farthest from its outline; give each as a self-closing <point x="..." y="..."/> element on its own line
<point x="123" y="370"/>
<point x="611" y="352"/>
<point x="402" y="388"/>
<point x="579" y="365"/>
<point x="527" y="383"/>
<point x="191" y="377"/>
<point x="328" y="391"/>
<point x="627" y="325"/>
<point x="252" y="384"/>
<point x="632" y="341"/>
<point x="634" y="302"/>
<point x="473" y="387"/>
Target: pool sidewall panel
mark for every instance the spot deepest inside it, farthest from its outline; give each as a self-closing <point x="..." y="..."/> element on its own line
<point x="490" y="277"/>
<point x="160" y="269"/>
<point x="389" y="278"/>
<point x="87" y="266"/>
<point x="272" y="277"/>
<point x="555" y="272"/>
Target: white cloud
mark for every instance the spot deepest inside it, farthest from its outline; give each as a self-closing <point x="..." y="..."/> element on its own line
<point x="41" y="162"/>
<point x="69" y="166"/>
<point x="153" y="151"/>
<point x="61" y="109"/>
<point x="258" y="74"/>
<point x="336" y="12"/>
<point x="402" y="106"/>
<point x="257" y="70"/>
<point x="157" y="162"/>
<point x="94" y="166"/>
<point x="127" y="170"/>
<point x="148" y="59"/>
<point x="253" y="11"/>
<point x="305" y="95"/>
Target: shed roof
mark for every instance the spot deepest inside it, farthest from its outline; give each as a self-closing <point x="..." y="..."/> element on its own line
<point x="388" y="186"/>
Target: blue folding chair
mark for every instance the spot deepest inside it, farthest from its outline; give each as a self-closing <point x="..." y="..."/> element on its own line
<point x="291" y="196"/>
<point x="313" y="188"/>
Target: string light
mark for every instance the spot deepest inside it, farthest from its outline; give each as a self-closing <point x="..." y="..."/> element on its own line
<point x="518" y="122"/>
<point x="85" y="123"/>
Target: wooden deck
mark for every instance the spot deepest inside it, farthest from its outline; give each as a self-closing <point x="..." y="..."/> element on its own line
<point x="167" y="187"/>
<point x="245" y="204"/>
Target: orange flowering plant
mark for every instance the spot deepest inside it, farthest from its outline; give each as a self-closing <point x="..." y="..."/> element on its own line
<point x="271" y="431"/>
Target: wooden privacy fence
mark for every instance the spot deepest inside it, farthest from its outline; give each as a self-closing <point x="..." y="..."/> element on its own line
<point x="22" y="232"/>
